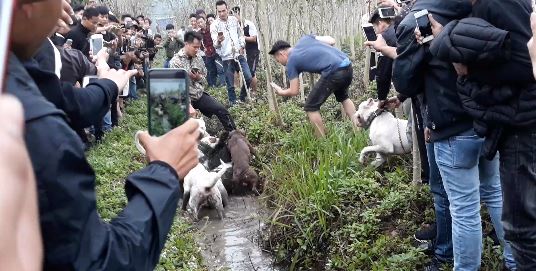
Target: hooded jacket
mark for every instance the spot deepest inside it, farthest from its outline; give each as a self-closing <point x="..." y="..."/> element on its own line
<point x="74" y="235"/>
<point x="499" y="91"/>
<point x="416" y="71"/>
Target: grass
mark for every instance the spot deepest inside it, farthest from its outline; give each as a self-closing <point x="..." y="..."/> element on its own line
<point x="329" y="212"/>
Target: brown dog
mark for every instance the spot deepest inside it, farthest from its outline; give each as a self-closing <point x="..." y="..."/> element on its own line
<point x="241" y="153"/>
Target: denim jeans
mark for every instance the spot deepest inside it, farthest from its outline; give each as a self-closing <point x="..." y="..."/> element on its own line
<point x="443" y="241"/>
<point x="166" y="63"/>
<point x="220" y="71"/>
<point x="107" y="122"/>
<point x="132" y="89"/>
<point x="212" y="70"/>
<point x="469" y="178"/>
<point x="231" y="66"/>
<point x="518" y="176"/>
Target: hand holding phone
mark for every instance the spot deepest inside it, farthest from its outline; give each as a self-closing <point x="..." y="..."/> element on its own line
<point x="168" y="100"/>
<point x="423" y="32"/>
<point x="369" y="32"/>
<point x="177" y="148"/>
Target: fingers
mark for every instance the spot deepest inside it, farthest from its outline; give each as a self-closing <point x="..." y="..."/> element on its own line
<point x="433" y="22"/>
<point x="145" y="139"/>
<point x="11" y="116"/>
<point x="131" y="73"/>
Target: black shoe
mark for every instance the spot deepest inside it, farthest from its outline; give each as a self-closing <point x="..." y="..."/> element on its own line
<point x="427" y="247"/>
<point x="426" y="234"/>
<point x="433" y="265"/>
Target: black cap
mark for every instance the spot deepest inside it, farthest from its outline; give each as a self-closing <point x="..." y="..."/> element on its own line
<point x="279" y="45"/>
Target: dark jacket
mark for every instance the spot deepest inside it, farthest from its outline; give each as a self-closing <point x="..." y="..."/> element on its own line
<point x="74" y="236"/>
<point x="384" y="70"/>
<point x="75" y="66"/>
<point x="416" y="71"/>
<point x="172" y="47"/>
<point x="472" y="41"/>
<point x="80" y="36"/>
<point x="499" y="91"/>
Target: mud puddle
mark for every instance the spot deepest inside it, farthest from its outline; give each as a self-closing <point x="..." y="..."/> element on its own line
<point x="233" y="243"/>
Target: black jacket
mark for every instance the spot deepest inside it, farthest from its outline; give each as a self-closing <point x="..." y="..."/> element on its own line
<point x="384" y="71"/>
<point x="83" y="106"/>
<point x="416" y="71"/>
<point x="80" y="36"/>
<point x="499" y="91"/>
<point x="74" y="236"/>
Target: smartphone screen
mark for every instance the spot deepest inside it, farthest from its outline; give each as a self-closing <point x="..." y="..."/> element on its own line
<point x="425" y="27"/>
<point x="6" y="11"/>
<point x="96" y="44"/>
<point x="89" y="79"/>
<point x="387" y="12"/>
<point x="370" y="34"/>
<point x="168" y="100"/>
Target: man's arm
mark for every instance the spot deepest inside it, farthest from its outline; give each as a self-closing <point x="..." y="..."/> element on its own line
<point x="327" y="40"/>
<point x="74" y="234"/>
<point x="408" y="70"/>
<point x="252" y="33"/>
<point x="294" y="89"/>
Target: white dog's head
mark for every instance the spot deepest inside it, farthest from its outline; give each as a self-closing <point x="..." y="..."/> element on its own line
<point x="202" y="128"/>
<point x="364" y="111"/>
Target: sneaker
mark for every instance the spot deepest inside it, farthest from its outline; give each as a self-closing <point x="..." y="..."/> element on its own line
<point x="427" y="247"/>
<point x="433" y="265"/>
<point x="426" y="234"/>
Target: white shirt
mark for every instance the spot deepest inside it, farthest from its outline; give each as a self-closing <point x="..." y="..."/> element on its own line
<point x="57" y="60"/>
<point x="234" y="40"/>
<point x="253" y="32"/>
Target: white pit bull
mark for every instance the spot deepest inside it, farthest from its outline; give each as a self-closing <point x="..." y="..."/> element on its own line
<point x="387" y="133"/>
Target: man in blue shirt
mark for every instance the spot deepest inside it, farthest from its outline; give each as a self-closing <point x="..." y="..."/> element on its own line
<point x="316" y="54"/>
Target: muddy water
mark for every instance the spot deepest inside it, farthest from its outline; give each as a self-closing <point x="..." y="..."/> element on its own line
<point x="233" y="243"/>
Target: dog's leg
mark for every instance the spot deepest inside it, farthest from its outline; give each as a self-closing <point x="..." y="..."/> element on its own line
<point x="185" y="200"/>
<point x="375" y="148"/>
<point x="380" y="159"/>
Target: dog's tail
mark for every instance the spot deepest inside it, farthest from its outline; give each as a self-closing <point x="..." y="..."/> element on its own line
<point x="216" y="176"/>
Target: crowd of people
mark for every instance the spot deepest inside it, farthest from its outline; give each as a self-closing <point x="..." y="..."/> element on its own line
<point x="471" y="90"/>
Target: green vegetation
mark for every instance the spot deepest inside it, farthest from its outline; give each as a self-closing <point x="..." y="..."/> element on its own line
<point x="113" y="161"/>
<point x="329" y="212"/>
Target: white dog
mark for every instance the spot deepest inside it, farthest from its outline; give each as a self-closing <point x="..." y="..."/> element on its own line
<point x="204" y="188"/>
<point x="387" y="133"/>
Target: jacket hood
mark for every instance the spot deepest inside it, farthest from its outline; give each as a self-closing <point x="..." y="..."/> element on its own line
<point x="448" y="9"/>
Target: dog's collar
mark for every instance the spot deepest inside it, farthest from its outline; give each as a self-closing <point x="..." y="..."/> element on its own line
<point x="372" y="116"/>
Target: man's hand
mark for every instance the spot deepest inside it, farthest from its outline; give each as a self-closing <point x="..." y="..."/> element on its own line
<point x="378" y="44"/>
<point x="461" y="69"/>
<point x="427" y="135"/>
<point x="389" y="3"/>
<point x="531" y="44"/>
<point x="221" y="38"/>
<point x="436" y="26"/>
<point x="393" y="102"/>
<point x="20" y="237"/>
<point x="67" y="11"/>
<point x="276" y="88"/>
<point x="177" y="148"/>
<point x="195" y="76"/>
<point x="120" y="77"/>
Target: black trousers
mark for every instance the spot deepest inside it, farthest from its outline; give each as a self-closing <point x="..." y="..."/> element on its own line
<point x="518" y="179"/>
<point x="210" y="106"/>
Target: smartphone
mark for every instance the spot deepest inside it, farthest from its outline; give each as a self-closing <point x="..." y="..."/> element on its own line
<point x="69" y="42"/>
<point x="96" y="43"/>
<point x="425" y="27"/>
<point x="370" y="34"/>
<point x="6" y="11"/>
<point x="387" y="12"/>
<point x="168" y="100"/>
<point x="220" y="33"/>
<point x="195" y="70"/>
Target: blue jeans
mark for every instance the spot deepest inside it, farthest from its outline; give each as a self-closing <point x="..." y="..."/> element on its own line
<point x="220" y="71"/>
<point x="166" y="63"/>
<point x="518" y="175"/>
<point x="212" y="70"/>
<point x="468" y="179"/>
<point x="443" y="241"/>
<point x="132" y="89"/>
<point x="231" y="66"/>
<point x="107" y="122"/>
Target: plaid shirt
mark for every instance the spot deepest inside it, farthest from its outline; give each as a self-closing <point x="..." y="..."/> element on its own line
<point x="182" y="61"/>
<point x="208" y="44"/>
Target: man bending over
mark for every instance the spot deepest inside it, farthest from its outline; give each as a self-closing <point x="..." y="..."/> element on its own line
<point x="316" y="54"/>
